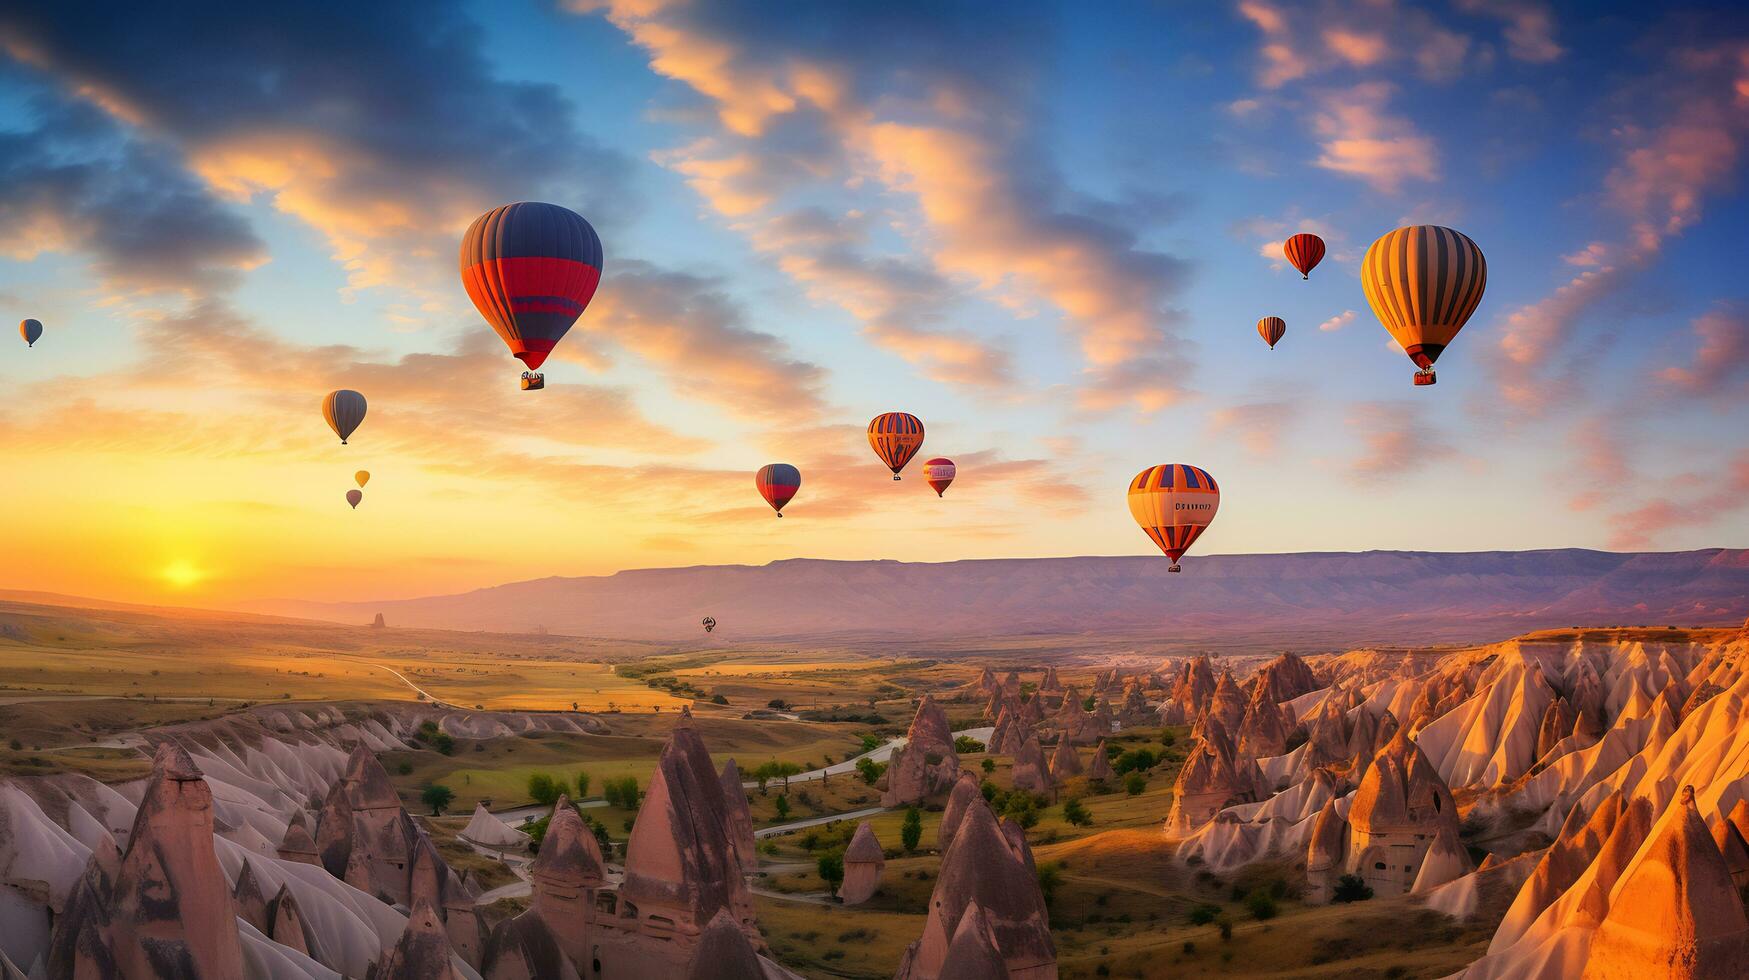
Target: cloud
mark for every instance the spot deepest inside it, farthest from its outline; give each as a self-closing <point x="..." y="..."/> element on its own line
<point x="1530" y="27"/>
<point x="1398" y="439"/>
<point x="1307" y="40"/>
<point x="1338" y="321"/>
<point x="1726" y="492"/>
<point x="1721" y="354"/>
<point x="1258" y="426"/>
<point x="76" y="183"/>
<point x="388" y="136"/>
<point x="1358" y="137"/>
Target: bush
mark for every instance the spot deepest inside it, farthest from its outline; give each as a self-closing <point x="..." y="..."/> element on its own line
<point x="1352" y="888"/>
<point x="437" y="797"/>
<point x="621" y="792"/>
<point x="405" y="768"/>
<point x="782" y="807"/>
<point x="1261" y="905"/>
<point x="443" y="743"/>
<point x="1226" y="930"/>
<point x="967" y="745"/>
<point x="1049" y="877"/>
<point x="831" y="868"/>
<point x="544" y="789"/>
<point x="912" y="831"/>
<point x="870" y="770"/>
<point x="1168" y="739"/>
<point x="582" y="785"/>
<point x="989" y="766"/>
<point x="1135" y="760"/>
<point x="1203" y="914"/>
<point x="988" y="789"/>
<point x="1076" y="813"/>
<point x="1134" y="783"/>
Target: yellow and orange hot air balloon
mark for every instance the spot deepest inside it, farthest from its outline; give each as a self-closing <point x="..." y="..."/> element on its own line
<point x="1271" y="329"/>
<point x="1423" y="283"/>
<point x="1305" y="252"/>
<point x="895" y="437"/>
<point x="1174" y="503"/>
<point x="363" y="477"/>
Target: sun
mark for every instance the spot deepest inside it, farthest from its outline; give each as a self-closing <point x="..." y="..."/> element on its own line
<point x="181" y="574"/>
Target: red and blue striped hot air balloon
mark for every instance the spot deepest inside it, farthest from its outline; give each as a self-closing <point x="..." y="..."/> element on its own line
<point x="1174" y="504"/>
<point x="777" y="483"/>
<point x="895" y="437"/>
<point x="531" y="270"/>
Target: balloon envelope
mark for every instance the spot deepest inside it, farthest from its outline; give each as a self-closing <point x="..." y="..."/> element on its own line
<point x="344" y="410"/>
<point x="1174" y="503"/>
<point x="777" y="483"/>
<point x="353" y="497"/>
<point x="30" y="330"/>
<point x="1305" y="252"/>
<point x="531" y="270"/>
<point x="363" y="477"/>
<point x="895" y="437"/>
<point x="939" y="472"/>
<point x="1271" y="329"/>
<point x="710" y="623"/>
<point x="1423" y="283"/>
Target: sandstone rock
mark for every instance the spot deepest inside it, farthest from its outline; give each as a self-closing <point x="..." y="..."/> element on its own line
<point x="1031" y="771"/>
<point x="863" y="863"/>
<point x="422" y="953"/>
<point x="740" y="817"/>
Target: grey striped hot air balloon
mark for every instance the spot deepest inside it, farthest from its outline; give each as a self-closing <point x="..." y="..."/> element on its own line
<point x="344" y="410"/>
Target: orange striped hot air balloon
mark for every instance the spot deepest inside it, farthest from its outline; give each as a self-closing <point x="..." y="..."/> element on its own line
<point x="1305" y="252"/>
<point x="940" y="473"/>
<point x="1271" y="329"/>
<point x="1423" y="283"/>
<point x="895" y="437"/>
<point x="1174" y="504"/>
<point x="344" y="409"/>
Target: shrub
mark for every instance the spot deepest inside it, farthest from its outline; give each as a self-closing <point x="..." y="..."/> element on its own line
<point x="912" y="831"/>
<point x="437" y="797"/>
<point x="1226" y="930"/>
<point x="582" y="785"/>
<point x="405" y="768"/>
<point x="621" y="792"/>
<point x="1352" y="888"/>
<point x="443" y="743"/>
<point x="1168" y="739"/>
<point x="782" y="807"/>
<point x="544" y="789"/>
<point x="988" y="789"/>
<point x="831" y="868"/>
<point x="1203" y="914"/>
<point x="1049" y="877"/>
<point x="1134" y="783"/>
<point x="967" y="745"/>
<point x="1261" y="905"/>
<point x="989" y="766"/>
<point x="1076" y="813"/>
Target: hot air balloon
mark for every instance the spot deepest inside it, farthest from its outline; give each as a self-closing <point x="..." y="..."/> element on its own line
<point x="31" y="330"/>
<point x="896" y="437"/>
<point x="710" y="623"/>
<point x="363" y="477"/>
<point x="1174" y="504"/>
<point x="344" y="410"/>
<point x="1423" y="283"/>
<point x="1305" y="252"/>
<point x="777" y="483"/>
<point x="1271" y="328"/>
<point x="353" y="497"/>
<point x="531" y="270"/>
<point x="939" y="472"/>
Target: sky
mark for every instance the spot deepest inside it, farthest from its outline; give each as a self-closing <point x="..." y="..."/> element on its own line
<point x="1048" y="232"/>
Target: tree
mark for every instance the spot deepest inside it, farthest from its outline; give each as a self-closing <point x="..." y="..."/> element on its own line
<point x="1262" y="906"/>
<point x="782" y="806"/>
<point x="1049" y="877"/>
<point x="989" y="766"/>
<point x="443" y="743"/>
<point x="831" y="867"/>
<point x="437" y="797"/>
<point x="1076" y="813"/>
<point x="544" y="789"/>
<point x="870" y="769"/>
<point x="912" y="831"/>
<point x="870" y="741"/>
<point x="622" y="792"/>
<point x="582" y="785"/>
<point x="1351" y="888"/>
<point x="1134" y="783"/>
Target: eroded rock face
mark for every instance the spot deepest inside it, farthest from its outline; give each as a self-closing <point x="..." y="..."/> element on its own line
<point x="964" y="790"/>
<point x="740" y="817"/>
<point x="566" y="873"/>
<point x="1032" y="771"/>
<point x="169" y="910"/>
<point x="524" y="948"/>
<point x="1065" y="762"/>
<point x="1399" y="808"/>
<point x="926" y="765"/>
<point x="984" y="869"/>
<point x="863" y="863"/>
<point x="363" y="836"/>
<point x="423" y="952"/>
<point x="298" y="845"/>
<point x="1209" y="781"/>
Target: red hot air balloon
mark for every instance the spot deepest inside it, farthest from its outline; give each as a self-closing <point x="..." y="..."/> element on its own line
<point x="1305" y="252"/>
<point x="353" y="497"/>
<point x="778" y="483"/>
<point x="1271" y="329"/>
<point x="939" y="472"/>
<point x="895" y="437"/>
<point x="531" y="270"/>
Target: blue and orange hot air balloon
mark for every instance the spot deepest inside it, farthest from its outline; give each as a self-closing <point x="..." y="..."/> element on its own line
<point x="1305" y="252"/>
<point x="531" y="270"/>
<point x="778" y="483"/>
<point x="1174" y="504"/>
<point x="895" y="437"/>
<point x="31" y="330"/>
<point x="940" y="473"/>
<point x="344" y="409"/>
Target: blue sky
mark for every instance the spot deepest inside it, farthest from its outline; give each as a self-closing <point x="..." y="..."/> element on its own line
<point x="1049" y="234"/>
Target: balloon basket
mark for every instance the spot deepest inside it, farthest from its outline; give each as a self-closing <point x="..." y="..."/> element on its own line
<point x="533" y="382"/>
<point x="1425" y="378"/>
<point x="1175" y="568"/>
<point x="895" y="478"/>
<point x="780" y="517"/>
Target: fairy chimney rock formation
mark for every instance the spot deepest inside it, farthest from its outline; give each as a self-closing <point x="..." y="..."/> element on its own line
<point x="1675" y="912"/>
<point x="916" y="770"/>
<point x="1065" y="763"/>
<point x="1326" y="854"/>
<point x="285" y="922"/>
<point x="1208" y="782"/>
<point x="1099" y="770"/>
<point x="1031" y="771"/>
<point x="1446" y="860"/>
<point x="987" y="871"/>
<point x="1398" y="810"/>
<point x="423" y="952"/>
<point x="740" y="817"/>
<point x="251" y="904"/>
<point x="863" y="863"/>
<point x="363" y="836"/>
<point x="965" y="789"/>
<point x="524" y="948"/>
<point x="972" y="955"/>
<point x="298" y="845"/>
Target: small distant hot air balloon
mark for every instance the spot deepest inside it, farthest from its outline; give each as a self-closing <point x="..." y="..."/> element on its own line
<point x="939" y="472"/>
<point x="344" y="410"/>
<point x="710" y="623"/>
<point x="363" y="477"/>
<point x="531" y="270"/>
<point x="1174" y="504"/>
<point x="1423" y="283"/>
<point x="31" y="330"/>
<point x="1305" y="252"/>
<point x="777" y="483"/>
<point x="1271" y="329"/>
<point x="353" y="497"/>
<point x="896" y="437"/>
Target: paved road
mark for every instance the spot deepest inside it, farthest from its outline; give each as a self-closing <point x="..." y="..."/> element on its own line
<point x="534" y="811"/>
<point x="786" y="828"/>
<point x="880" y="753"/>
<point x="439" y="702"/>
